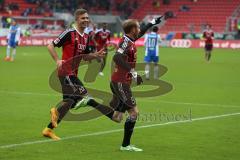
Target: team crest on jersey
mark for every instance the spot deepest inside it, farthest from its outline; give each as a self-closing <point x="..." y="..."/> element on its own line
<point x="81" y="47"/>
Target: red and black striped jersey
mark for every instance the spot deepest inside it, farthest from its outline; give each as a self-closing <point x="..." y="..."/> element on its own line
<point x="102" y="37"/>
<point x="128" y="48"/>
<point x="74" y="46"/>
<point x="208" y="35"/>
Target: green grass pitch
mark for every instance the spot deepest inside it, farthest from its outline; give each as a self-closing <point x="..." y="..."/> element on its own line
<point x="208" y="90"/>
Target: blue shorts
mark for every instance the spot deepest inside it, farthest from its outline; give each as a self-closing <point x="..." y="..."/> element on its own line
<point x="12" y="44"/>
<point x="151" y="58"/>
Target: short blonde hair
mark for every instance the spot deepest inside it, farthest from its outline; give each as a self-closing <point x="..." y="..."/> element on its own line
<point x="79" y="12"/>
<point x="129" y="24"/>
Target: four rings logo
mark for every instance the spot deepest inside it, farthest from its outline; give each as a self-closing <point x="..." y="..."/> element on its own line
<point x="181" y="43"/>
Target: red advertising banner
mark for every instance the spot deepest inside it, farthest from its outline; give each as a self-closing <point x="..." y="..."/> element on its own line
<point x="175" y="43"/>
<point x="186" y="43"/>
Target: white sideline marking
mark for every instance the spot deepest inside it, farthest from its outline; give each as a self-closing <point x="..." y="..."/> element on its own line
<point x="116" y="130"/>
<point x="147" y="99"/>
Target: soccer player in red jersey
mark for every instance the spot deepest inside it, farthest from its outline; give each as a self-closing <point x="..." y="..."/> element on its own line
<point x="208" y="36"/>
<point x="75" y="47"/>
<point x="125" y="61"/>
<point x="102" y="37"/>
<point x="91" y="31"/>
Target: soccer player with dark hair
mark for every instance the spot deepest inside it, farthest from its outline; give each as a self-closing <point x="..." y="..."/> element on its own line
<point x="102" y="37"/>
<point x="151" y="42"/>
<point x="208" y="36"/>
<point x="75" y="47"/>
<point x="125" y="61"/>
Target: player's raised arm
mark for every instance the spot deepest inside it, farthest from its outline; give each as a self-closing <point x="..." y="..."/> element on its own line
<point x="153" y="22"/>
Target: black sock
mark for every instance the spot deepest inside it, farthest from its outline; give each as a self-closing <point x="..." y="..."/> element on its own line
<point x="209" y="56"/>
<point x="128" y="130"/>
<point x="107" y="111"/>
<point x="62" y="109"/>
<point x="50" y="125"/>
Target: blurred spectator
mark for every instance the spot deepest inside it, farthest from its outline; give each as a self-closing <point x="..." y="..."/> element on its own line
<point x="184" y="8"/>
<point x="13" y="6"/>
<point x="156" y="3"/>
<point x="27" y="32"/>
<point x="4" y="22"/>
<point x="40" y="25"/>
<point x="26" y="12"/>
<point x="135" y="4"/>
<point x="238" y="27"/>
<point x="2" y="3"/>
<point x="166" y="1"/>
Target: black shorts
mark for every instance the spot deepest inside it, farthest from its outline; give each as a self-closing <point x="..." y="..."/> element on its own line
<point x="208" y="47"/>
<point x="122" y="97"/>
<point x="72" y="88"/>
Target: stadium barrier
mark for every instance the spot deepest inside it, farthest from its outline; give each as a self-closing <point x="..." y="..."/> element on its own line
<point x="175" y="43"/>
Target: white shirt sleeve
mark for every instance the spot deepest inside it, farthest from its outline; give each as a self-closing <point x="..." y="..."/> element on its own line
<point x="159" y="39"/>
<point x="145" y="39"/>
<point x="17" y="38"/>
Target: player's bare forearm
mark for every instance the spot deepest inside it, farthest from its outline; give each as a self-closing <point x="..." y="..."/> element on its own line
<point x="52" y="52"/>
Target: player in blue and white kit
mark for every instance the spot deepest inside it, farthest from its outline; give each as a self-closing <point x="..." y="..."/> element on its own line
<point x="151" y="42"/>
<point x="13" y="38"/>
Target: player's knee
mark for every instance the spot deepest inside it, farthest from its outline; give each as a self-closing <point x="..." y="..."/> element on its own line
<point x="133" y="116"/>
<point x="117" y="118"/>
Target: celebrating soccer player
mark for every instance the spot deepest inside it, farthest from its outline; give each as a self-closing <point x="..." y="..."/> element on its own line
<point x="208" y="36"/>
<point x="125" y="61"/>
<point x="102" y="37"/>
<point x="151" y="42"/>
<point x="13" y="38"/>
<point x="75" y="47"/>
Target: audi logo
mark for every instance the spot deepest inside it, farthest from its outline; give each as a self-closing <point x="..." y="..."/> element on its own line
<point x="181" y="43"/>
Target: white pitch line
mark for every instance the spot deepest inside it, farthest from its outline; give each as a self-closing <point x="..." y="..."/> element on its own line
<point x="147" y="99"/>
<point x="116" y="130"/>
<point x="199" y="104"/>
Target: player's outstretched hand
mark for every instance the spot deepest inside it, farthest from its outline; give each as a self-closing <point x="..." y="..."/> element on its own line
<point x="100" y="54"/>
<point x="139" y="80"/>
<point x="156" y="21"/>
<point x="136" y="77"/>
